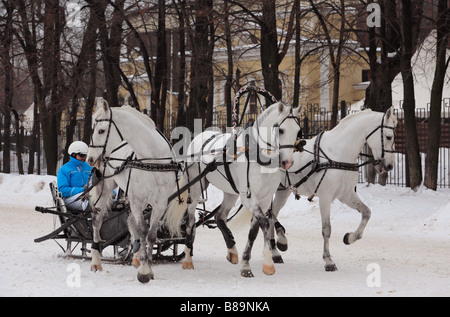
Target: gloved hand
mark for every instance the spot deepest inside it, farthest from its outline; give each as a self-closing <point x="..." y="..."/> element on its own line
<point x="96" y="176"/>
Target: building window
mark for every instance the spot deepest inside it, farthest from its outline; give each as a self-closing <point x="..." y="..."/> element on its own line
<point x="365" y="75"/>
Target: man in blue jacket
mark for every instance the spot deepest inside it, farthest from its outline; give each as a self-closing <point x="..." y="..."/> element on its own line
<point x="73" y="177"/>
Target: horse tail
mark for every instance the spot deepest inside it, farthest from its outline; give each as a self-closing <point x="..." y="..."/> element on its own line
<point x="175" y="211"/>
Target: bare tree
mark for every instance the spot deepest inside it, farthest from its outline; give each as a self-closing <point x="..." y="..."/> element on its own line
<point x="434" y="121"/>
<point x="48" y="107"/>
<point x="180" y="9"/>
<point x="334" y="50"/>
<point x="408" y="25"/>
<point x="201" y="61"/>
<point x="159" y="91"/>
<point x="6" y="39"/>
<point x="263" y="14"/>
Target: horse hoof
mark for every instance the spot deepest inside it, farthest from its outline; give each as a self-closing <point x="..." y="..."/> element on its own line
<point x="269" y="269"/>
<point x="136" y="263"/>
<point x="246" y="273"/>
<point x="233" y="258"/>
<point x="144" y="278"/>
<point x="331" y="267"/>
<point x="187" y="265"/>
<point x="96" y="267"/>
<point x="277" y="259"/>
<point x="347" y="239"/>
<point x="282" y="247"/>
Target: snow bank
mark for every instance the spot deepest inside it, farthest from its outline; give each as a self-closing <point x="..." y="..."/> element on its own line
<point x="25" y="190"/>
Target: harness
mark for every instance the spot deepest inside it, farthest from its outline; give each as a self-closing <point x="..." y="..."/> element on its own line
<point x="251" y="149"/>
<point x="317" y="166"/>
<point x="131" y="161"/>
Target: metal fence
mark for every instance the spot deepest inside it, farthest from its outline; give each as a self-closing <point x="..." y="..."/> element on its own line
<point x="316" y="119"/>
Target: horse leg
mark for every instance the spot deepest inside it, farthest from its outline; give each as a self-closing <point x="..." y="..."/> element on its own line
<point x="97" y="220"/>
<point x="101" y="195"/>
<point x="221" y="220"/>
<point x="187" y="263"/>
<point x="353" y="201"/>
<point x="252" y="234"/>
<point x="279" y="201"/>
<point x="145" y="273"/>
<point x="268" y="265"/>
<point x="326" y="233"/>
<point x="134" y="238"/>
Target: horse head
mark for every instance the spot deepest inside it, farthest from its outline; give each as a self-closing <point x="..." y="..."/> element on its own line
<point x="105" y="134"/>
<point x="278" y="128"/>
<point x="381" y="141"/>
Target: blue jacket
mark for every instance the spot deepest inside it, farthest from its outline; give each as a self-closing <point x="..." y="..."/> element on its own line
<point x="72" y="176"/>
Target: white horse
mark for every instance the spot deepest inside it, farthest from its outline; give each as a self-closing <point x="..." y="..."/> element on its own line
<point x="328" y="169"/>
<point x="130" y="137"/>
<point x="253" y="176"/>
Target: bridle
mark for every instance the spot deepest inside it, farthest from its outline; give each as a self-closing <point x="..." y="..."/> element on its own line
<point x="111" y="122"/>
<point x="131" y="161"/>
<point x="382" y="127"/>
<point x="274" y="148"/>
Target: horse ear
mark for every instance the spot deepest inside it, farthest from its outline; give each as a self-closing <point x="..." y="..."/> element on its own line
<point x="298" y="110"/>
<point x="280" y="107"/>
<point x="390" y="115"/>
<point x="389" y="112"/>
<point x="105" y="106"/>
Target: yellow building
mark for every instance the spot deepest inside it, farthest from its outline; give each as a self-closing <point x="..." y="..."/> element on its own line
<point x="316" y="70"/>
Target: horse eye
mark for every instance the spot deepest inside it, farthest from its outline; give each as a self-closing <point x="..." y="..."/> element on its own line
<point x="280" y="131"/>
<point x="389" y="138"/>
<point x="101" y="131"/>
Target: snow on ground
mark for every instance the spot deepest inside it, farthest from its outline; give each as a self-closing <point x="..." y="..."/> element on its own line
<point x="404" y="251"/>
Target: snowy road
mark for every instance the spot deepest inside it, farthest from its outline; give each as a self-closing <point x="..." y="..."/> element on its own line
<point x="404" y="252"/>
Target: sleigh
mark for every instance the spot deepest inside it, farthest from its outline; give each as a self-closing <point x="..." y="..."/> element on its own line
<point x="74" y="234"/>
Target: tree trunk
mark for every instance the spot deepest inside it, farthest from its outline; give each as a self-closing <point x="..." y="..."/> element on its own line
<point x="51" y="70"/>
<point x="409" y="104"/>
<point x="35" y="144"/>
<point x="158" y="95"/>
<point x="434" y="122"/>
<point x="110" y="46"/>
<point x="198" y="99"/>
<point x="269" y="49"/>
<point x="91" y="55"/>
<point x="70" y="127"/>
<point x="229" y="76"/>
<point x="19" y="146"/>
<point x="6" y="38"/>
<point x="181" y="120"/>
<point x="296" y="99"/>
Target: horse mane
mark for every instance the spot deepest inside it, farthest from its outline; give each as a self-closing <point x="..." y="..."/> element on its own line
<point x="350" y="117"/>
<point x="269" y="111"/>
<point x="355" y="114"/>
<point x="136" y="112"/>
